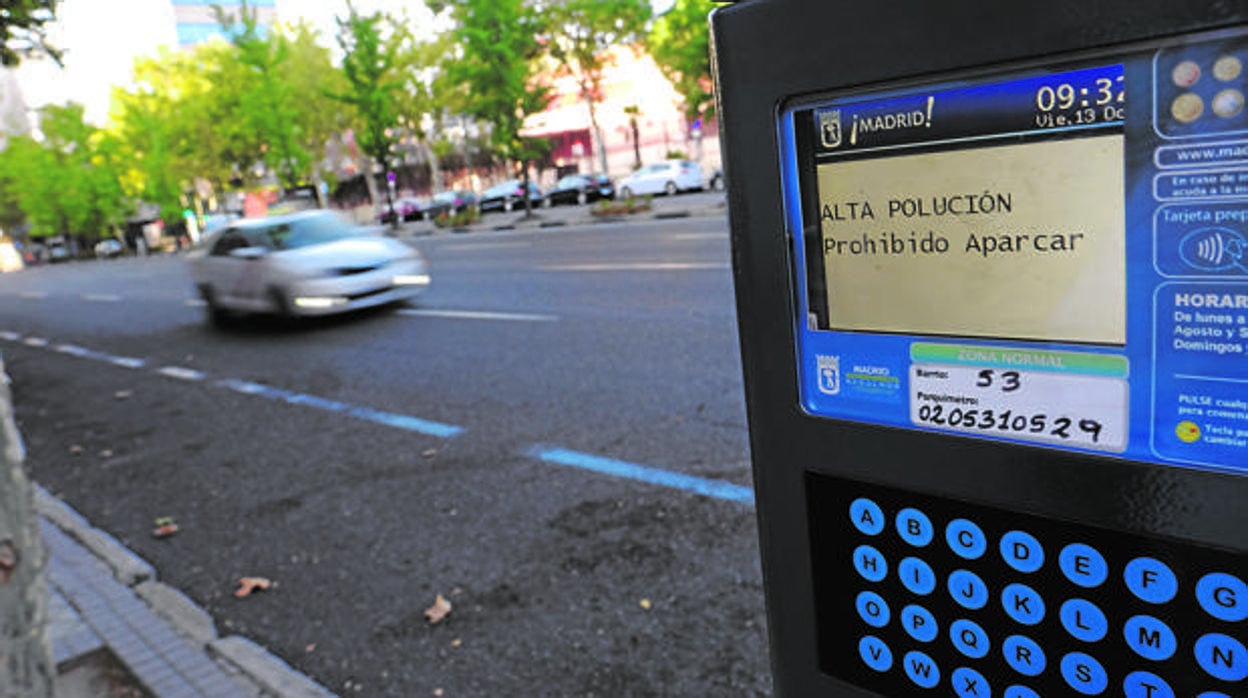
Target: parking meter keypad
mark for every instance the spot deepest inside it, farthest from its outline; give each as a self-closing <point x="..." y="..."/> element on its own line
<point x="918" y="592"/>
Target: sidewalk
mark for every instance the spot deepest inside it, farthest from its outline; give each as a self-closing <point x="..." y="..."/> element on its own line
<point x="698" y="205"/>
<point x="115" y="630"/>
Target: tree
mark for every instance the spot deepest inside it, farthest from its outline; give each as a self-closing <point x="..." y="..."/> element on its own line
<point x="679" y="42"/>
<point x="23" y="30"/>
<point x="581" y="32"/>
<point x="309" y="72"/>
<point x="376" y="51"/>
<point x="70" y="185"/>
<point x="498" y="47"/>
<point x="27" y="669"/>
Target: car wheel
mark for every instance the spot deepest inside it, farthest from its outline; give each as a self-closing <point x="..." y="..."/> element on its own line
<point x="215" y="314"/>
<point x="717" y="184"/>
<point x="547" y="202"/>
<point x="508" y="205"/>
<point x="671" y="189"/>
<point x="582" y="198"/>
<point x="281" y="304"/>
<point x="626" y="193"/>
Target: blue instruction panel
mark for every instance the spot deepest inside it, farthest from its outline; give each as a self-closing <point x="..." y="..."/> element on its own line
<point x="1055" y="256"/>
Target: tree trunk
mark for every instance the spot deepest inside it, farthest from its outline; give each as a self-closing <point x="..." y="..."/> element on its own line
<point x="25" y="656"/>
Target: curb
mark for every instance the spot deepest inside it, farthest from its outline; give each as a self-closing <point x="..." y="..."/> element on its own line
<point x="240" y="655"/>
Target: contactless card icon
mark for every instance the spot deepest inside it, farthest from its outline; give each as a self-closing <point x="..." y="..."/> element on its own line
<point x="830" y="128"/>
<point x="829" y="374"/>
<point x="1215" y="249"/>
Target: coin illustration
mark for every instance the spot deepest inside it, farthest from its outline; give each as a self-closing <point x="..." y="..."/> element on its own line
<point x="1185" y="74"/>
<point x="1187" y="107"/>
<point x="1227" y="68"/>
<point x="1228" y="103"/>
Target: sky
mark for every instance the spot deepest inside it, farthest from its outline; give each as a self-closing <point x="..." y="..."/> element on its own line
<point x="102" y="39"/>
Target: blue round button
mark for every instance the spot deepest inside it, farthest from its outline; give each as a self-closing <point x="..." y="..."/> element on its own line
<point x="867" y="516"/>
<point x="917" y="576"/>
<point x="1212" y="694"/>
<point x="969" y="683"/>
<point x="875" y="653"/>
<point x="921" y="669"/>
<point x="1083" y="565"/>
<point x="969" y="638"/>
<point x="1084" y="674"/>
<point x="1084" y="620"/>
<point x="870" y="563"/>
<point x="1150" y="638"/>
<point x="1223" y="596"/>
<point x="1022" y="551"/>
<point x="919" y="623"/>
<point x="1023" y="604"/>
<point x="965" y="539"/>
<point x="1017" y="691"/>
<point x="1023" y="655"/>
<point x="1142" y="684"/>
<point x="1150" y="580"/>
<point x="873" y="609"/>
<point x="1222" y="657"/>
<point x="914" y="527"/>
<point x="968" y="590"/>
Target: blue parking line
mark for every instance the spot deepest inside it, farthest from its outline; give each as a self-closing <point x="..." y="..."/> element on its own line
<point x="718" y="489"/>
<point x="389" y="419"/>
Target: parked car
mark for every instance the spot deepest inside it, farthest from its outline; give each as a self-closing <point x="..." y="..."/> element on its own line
<point x="580" y="189"/>
<point x="450" y="202"/>
<point x="406" y="208"/>
<point x="717" y="179"/>
<point x="508" y="196"/>
<point x="668" y="177"/>
<point x="306" y="263"/>
<point x="109" y="248"/>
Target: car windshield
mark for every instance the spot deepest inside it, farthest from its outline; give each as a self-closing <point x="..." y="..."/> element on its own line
<point x="444" y="196"/>
<point x="570" y="181"/>
<point x="305" y="232"/>
<point x="504" y="188"/>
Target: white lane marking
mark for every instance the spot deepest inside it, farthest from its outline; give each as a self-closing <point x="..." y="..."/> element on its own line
<point x="180" y="373"/>
<point x="72" y="350"/>
<point x="477" y="315"/>
<point x="195" y="302"/>
<point x="460" y="247"/>
<point x="700" y="236"/>
<point x="641" y="266"/>
<point x="34" y="295"/>
<point x="35" y="342"/>
<point x="101" y="297"/>
<point x="126" y="362"/>
<point x="10" y="336"/>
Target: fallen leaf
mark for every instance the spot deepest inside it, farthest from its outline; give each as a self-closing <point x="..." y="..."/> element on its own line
<point x="123" y="394"/>
<point x="645" y="604"/>
<point x="106" y="453"/>
<point x="456" y="642"/>
<point x="439" y="610"/>
<point x="165" y="527"/>
<point x="246" y="585"/>
<point x="75" y="449"/>
<point x="429" y="452"/>
<point x="310" y="648"/>
<point x="437" y="691"/>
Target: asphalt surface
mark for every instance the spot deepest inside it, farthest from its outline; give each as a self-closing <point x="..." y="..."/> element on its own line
<point x="497" y="444"/>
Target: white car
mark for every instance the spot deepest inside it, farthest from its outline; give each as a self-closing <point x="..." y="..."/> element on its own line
<point x="669" y="177"/>
<point x="307" y="263"/>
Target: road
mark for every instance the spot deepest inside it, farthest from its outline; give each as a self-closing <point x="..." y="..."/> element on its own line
<point x="553" y="439"/>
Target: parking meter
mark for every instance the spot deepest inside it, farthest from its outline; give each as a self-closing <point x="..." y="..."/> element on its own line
<point x="991" y="266"/>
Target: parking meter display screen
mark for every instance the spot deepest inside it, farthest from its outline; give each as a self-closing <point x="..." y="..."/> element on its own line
<point x="1055" y="256"/>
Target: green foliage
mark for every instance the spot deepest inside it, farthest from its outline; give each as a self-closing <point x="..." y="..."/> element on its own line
<point x="676" y="155"/>
<point x="266" y="105"/>
<point x="23" y="25"/>
<point x="458" y="219"/>
<point x="497" y="44"/>
<point x="66" y="184"/>
<point x="679" y="42"/>
<point x="377" y="51"/>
